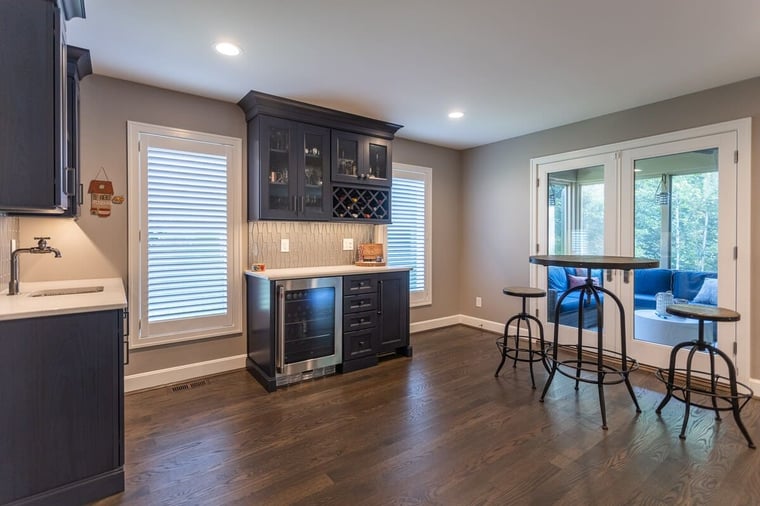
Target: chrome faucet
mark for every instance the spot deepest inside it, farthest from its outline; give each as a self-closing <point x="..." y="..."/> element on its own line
<point x="42" y="247"/>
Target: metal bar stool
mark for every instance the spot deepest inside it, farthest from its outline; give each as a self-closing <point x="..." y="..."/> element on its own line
<point x="523" y="319"/>
<point x="720" y="399"/>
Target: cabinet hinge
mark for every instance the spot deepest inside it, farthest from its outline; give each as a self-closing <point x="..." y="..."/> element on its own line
<point x="736" y="348"/>
<point x="736" y="252"/>
<point x="538" y="182"/>
<point x="736" y="156"/>
<point x="537" y="248"/>
<point x="537" y="314"/>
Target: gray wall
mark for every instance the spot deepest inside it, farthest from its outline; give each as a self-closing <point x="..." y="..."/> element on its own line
<point x="496" y="189"/>
<point x="447" y="227"/>
<point x="95" y="247"/>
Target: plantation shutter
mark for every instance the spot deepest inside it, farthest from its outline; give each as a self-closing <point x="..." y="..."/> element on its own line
<point x="187" y="234"/>
<point x="406" y="235"/>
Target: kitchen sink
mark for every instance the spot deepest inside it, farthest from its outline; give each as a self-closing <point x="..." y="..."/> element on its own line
<point x="74" y="290"/>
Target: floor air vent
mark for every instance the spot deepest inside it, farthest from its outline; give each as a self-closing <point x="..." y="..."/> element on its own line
<point x="189" y="386"/>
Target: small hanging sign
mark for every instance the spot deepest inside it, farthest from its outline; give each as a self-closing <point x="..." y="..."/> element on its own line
<point x="101" y="193"/>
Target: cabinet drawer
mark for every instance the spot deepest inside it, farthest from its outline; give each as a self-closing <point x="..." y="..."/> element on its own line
<point x="359" y="303"/>
<point x="359" y="321"/>
<point x="359" y="344"/>
<point x="353" y="285"/>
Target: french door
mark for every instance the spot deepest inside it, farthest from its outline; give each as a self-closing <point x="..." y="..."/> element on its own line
<point x="674" y="200"/>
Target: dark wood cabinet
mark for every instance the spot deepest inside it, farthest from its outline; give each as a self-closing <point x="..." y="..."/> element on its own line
<point x="291" y="171"/>
<point x="375" y="318"/>
<point x="61" y="386"/>
<point x="78" y="66"/>
<point x="361" y="159"/>
<point x="286" y="136"/>
<point x="33" y="96"/>
<point x="393" y="313"/>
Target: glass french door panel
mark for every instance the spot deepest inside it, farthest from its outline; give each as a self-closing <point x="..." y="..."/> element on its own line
<point x="683" y="215"/>
<point x="576" y="218"/>
<point x="575" y="212"/>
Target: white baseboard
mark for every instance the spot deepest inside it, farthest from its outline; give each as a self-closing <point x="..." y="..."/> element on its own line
<point x="754" y="384"/>
<point x="479" y="323"/>
<point x="171" y="375"/>
<point x="435" y="323"/>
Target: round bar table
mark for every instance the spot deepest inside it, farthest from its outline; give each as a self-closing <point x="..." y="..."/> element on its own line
<point x="618" y="365"/>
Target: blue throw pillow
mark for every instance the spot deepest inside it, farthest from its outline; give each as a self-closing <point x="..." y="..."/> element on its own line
<point x="708" y="294"/>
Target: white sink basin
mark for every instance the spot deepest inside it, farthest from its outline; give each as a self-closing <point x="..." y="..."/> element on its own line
<point x="75" y="290"/>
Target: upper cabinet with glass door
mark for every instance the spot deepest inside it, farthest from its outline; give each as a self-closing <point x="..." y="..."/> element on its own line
<point x="360" y="159"/>
<point x="293" y="163"/>
<point x="307" y="162"/>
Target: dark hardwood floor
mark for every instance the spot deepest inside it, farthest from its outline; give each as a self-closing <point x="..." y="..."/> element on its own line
<point x="434" y="429"/>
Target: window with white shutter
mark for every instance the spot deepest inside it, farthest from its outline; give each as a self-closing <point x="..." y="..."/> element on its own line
<point x="184" y="224"/>
<point x="408" y="237"/>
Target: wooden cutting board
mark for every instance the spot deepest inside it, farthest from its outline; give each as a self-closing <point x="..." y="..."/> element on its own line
<point x="368" y="255"/>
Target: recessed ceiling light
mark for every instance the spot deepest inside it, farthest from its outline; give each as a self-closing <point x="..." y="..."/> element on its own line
<point x="227" y="48"/>
<point x="456" y="114"/>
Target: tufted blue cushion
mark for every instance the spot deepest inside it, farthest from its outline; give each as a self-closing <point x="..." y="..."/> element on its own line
<point x="651" y="281"/>
<point x="557" y="278"/>
<point x="686" y="284"/>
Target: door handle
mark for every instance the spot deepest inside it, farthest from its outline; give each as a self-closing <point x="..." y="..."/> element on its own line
<point x="280" y="341"/>
<point x="125" y="318"/>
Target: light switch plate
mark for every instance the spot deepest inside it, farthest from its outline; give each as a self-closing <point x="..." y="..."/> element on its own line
<point x="284" y="245"/>
<point x="348" y="244"/>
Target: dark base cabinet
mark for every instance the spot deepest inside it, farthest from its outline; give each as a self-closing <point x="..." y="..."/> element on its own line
<point x="375" y="322"/>
<point x="260" y="331"/>
<point x="375" y="318"/>
<point x="62" y="415"/>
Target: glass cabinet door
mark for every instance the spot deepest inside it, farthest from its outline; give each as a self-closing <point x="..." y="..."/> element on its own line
<point x="379" y="156"/>
<point x="314" y="200"/>
<point x="278" y="162"/>
<point x="361" y="159"/>
<point x="346" y="155"/>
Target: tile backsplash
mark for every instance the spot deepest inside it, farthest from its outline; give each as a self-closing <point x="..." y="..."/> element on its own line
<point x="8" y="231"/>
<point x="312" y="244"/>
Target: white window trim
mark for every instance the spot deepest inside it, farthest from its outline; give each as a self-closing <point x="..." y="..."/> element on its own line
<point x="425" y="297"/>
<point x="136" y="189"/>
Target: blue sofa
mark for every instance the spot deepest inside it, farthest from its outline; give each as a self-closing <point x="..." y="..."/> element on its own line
<point x="683" y="284"/>
<point x="562" y="279"/>
<point x="647" y="284"/>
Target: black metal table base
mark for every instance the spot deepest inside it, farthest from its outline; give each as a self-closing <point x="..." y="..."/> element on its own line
<point x="607" y="367"/>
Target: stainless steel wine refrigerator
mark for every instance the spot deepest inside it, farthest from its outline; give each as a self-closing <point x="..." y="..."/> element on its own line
<point x="309" y="328"/>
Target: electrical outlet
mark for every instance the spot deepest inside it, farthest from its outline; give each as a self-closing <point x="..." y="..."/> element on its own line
<point x="284" y="245"/>
<point x="478" y="302"/>
<point x="348" y="244"/>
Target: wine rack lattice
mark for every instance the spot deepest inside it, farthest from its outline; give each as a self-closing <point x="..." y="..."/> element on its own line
<point x="361" y="204"/>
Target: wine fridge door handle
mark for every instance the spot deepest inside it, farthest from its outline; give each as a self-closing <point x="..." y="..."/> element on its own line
<point x="280" y="341"/>
<point x="125" y="317"/>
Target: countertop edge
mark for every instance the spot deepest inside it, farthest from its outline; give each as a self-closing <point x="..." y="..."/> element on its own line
<point x="17" y="307"/>
<point x="320" y="272"/>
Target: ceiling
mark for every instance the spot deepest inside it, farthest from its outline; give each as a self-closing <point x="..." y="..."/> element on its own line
<point x="512" y="66"/>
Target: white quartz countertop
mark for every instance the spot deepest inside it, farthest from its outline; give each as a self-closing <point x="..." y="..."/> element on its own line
<point x="26" y="305"/>
<point x="321" y="272"/>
